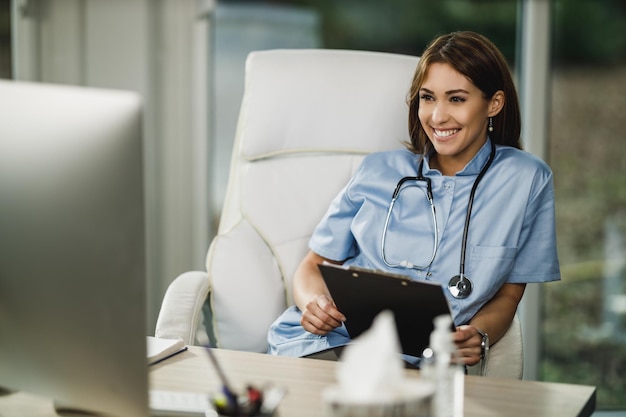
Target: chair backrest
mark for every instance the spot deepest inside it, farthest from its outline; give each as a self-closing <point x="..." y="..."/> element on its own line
<point x="307" y="119"/>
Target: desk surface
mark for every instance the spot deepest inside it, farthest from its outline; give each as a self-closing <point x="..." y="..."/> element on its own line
<point x="306" y="378"/>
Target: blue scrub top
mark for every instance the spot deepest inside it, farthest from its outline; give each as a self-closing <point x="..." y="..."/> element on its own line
<point x="511" y="238"/>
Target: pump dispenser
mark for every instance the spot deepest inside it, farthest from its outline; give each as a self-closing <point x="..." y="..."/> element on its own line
<point x="440" y="366"/>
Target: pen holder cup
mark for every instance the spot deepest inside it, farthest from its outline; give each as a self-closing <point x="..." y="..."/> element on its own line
<point x="263" y="404"/>
<point x="412" y="400"/>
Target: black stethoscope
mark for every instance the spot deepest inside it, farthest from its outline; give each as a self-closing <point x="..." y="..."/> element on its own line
<point x="459" y="285"/>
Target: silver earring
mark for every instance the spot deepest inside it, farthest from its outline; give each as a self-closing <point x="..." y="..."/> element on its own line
<point x="491" y="124"/>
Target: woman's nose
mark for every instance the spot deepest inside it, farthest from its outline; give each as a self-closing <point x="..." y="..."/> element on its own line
<point x="440" y="113"/>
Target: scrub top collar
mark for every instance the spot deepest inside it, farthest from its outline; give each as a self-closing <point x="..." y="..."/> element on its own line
<point x="473" y="167"/>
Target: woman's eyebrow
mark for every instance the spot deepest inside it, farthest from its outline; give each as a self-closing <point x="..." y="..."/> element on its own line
<point x="457" y="91"/>
<point x="448" y="93"/>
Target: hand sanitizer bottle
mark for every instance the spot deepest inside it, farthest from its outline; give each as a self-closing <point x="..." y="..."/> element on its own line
<point x="440" y="366"/>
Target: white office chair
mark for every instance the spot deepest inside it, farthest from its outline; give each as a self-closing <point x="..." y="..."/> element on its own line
<point x="308" y="117"/>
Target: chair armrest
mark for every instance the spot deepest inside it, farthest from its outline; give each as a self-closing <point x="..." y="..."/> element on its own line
<point x="181" y="309"/>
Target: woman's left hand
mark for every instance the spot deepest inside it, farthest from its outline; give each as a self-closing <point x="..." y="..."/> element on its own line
<point x="468" y="341"/>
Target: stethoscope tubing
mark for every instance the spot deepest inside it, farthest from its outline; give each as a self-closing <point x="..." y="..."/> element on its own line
<point x="429" y="196"/>
<point x="460" y="286"/>
<point x="470" y="204"/>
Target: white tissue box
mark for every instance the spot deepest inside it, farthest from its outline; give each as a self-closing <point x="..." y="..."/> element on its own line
<point x="412" y="399"/>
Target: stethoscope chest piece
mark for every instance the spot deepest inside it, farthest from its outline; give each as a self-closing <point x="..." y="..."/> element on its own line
<point x="460" y="287"/>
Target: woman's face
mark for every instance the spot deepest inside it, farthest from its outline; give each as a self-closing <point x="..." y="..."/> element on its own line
<point x="454" y="113"/>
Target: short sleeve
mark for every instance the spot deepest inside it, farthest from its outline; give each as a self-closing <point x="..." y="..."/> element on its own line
<point x="332" y="238"/>
<point x="537" y="259"/>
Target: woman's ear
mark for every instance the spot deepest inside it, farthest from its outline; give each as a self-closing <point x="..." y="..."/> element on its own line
<point x="496" y="103"/>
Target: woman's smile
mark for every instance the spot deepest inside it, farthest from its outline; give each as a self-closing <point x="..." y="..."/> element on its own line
<point x="445" y="133"/>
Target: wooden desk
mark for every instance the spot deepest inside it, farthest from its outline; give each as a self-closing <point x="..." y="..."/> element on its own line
<point x="306" y="378"/>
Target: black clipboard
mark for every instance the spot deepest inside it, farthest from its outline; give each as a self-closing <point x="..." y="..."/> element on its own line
<point x="361" y="294"/>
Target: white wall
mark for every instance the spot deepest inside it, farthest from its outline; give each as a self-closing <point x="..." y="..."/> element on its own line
<point x="160" y="49"/>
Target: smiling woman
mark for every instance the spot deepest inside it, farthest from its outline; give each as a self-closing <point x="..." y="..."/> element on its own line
<point x="464" y="127"/>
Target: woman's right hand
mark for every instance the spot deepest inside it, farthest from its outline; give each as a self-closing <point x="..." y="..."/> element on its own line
<point x="319" y="312"/>
<point x="320" y="315"/>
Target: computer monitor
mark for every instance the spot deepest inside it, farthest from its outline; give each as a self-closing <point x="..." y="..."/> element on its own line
<point x="72" y="258"/>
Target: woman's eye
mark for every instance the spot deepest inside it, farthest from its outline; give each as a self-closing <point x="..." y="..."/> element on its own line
<point x="457" y="99"/>
<point x="426" y="97"/>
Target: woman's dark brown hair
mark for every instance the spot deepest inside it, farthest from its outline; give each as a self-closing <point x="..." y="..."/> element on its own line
<point x="478" y="59"/>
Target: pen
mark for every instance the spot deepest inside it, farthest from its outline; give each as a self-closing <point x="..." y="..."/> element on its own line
<point x="231" y="397"/>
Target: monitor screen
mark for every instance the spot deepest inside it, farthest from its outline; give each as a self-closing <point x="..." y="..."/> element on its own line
<point x="72" y="258"/>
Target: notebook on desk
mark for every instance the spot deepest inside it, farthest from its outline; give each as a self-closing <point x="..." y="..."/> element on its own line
<point x="361" y="294"/>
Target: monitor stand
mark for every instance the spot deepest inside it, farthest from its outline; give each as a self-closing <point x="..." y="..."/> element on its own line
<point x="65" y="410"/>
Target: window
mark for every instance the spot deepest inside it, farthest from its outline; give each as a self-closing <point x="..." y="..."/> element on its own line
<point x="584" y="329"/>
